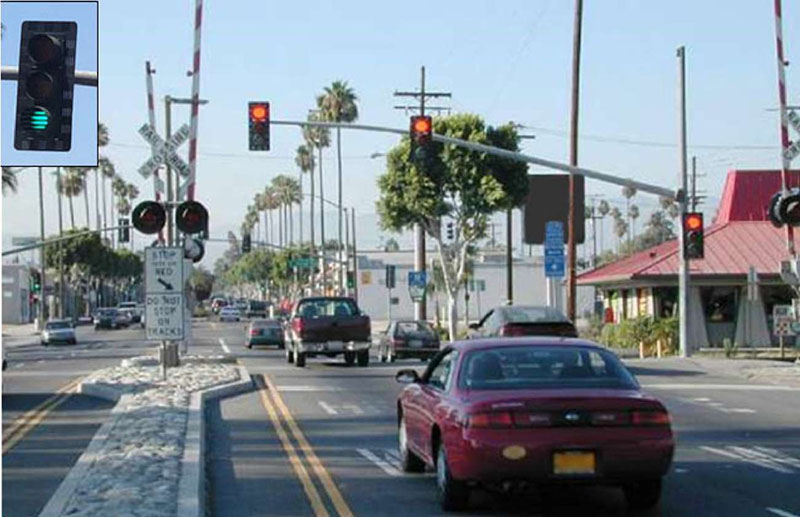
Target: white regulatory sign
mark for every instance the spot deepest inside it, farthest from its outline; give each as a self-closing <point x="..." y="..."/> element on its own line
<point x="163" y="267"/>
<point x="164" y="317"/>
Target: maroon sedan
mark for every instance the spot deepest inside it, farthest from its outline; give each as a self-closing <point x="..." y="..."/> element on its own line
<point x="509" y="413"/>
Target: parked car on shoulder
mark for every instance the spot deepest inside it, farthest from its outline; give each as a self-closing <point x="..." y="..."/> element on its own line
<point x="134" y="308"/>
<point x="265" y="332"/>
<point x="329" y="326"/>
<point x="509" y="413"/>
<point x="523" y="320"/>
<point x="58" y="331"/>
<point x="229" y="314"/>
<point x="408" y="338"/>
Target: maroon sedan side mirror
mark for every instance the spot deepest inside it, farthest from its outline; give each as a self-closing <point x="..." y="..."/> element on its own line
<point x="408" y="376"/>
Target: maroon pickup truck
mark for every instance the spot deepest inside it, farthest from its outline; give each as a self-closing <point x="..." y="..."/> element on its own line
<point x="328" y="326"/>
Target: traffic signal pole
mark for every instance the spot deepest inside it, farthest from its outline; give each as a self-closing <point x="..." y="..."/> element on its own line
<point x="683" y="270"/>
<point x="41" y="315"/>
<point x="573" y="159"/>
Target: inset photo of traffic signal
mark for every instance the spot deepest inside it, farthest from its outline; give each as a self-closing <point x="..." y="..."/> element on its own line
<point x="49" y="92"/>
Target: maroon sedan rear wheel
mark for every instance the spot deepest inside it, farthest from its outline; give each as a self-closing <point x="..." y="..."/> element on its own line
<point x="453" y="494"/>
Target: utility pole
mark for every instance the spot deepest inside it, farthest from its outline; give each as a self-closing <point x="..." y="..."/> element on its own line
<point x="573" y="158"/>
<point x="509" y="263"/>
<point x="355" y="255"/>
<point x="345" y="260"/>
<point x="41" y="319"/>
<point x="683" y="273"/>
<point x="420" y="311"/>
<point x="60" y="247"/>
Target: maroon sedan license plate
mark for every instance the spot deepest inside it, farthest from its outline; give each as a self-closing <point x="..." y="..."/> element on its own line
<point x="574" y="462"/>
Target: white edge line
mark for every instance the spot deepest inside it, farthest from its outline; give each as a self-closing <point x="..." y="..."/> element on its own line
<point x="379" y="462"/>
<point x="224" y="346"/>
<point x="782" y="513"/>
<point x="761" y="463"/>
<point x="328" y="409"/>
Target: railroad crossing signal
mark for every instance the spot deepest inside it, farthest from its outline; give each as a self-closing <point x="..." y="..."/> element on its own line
<point x="784" y="209"/>
<point x="149" y="217"/>
<point x="192" y="217"/>
<point x="164" y="150"/>
<point x="693" y="235"/>
<point x="45" y="86"/>
<point x="258" y="115"/>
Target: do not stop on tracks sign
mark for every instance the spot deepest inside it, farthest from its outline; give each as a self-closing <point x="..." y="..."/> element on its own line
<point x="164" y="317"/>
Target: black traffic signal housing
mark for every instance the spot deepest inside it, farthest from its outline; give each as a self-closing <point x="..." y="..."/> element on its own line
<point x="351" y="279"/>
<point x="258" y="116"/>
<point x="246" y="243"/>
<point x="149" y="217"/>
<point x="36" y="282"/>
<point x="45" y="86"/>
<point x="450" y="231"/>
<point x="693" y="235"/>
<point x="421" y="133"/>
<point x="124" y="232"/>
<point x="191" y="217"/>
<point x="390" y="277"/>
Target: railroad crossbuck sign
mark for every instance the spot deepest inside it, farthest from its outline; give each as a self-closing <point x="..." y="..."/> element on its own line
<point x="164" y="276"/>
<point x="164" y="151"/>
<point x="793" y="150"/>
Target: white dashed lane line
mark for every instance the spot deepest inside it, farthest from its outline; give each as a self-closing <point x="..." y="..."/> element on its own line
<point x="224" y="346"/>
<point x="383" y="465"/>
<point x="327" y="408"/>
<point x="765" y="457"/>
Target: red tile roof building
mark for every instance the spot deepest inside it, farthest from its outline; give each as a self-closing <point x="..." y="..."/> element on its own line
<point x="739" y="237"/>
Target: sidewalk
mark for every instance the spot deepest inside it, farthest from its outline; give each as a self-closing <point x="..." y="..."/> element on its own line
<point x="760" y="371"/>
<point x="26" y="329"/>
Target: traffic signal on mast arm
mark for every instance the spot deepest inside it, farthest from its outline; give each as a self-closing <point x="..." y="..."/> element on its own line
<point x="124" y="234"/>
<point x="36" y="282"/>
<point x="693" y="235"/>
<point x="421" y="136"/>
<point x="45" y="86"/>
<point x="258" y="115"/>
<point x="192" y="217"/>
<point x="149" y="217"/>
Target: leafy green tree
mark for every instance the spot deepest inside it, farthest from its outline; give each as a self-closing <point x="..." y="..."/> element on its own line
<point x="391" y="245"/>
<point x="456" y="184"/>
<point x="202" y="282"/>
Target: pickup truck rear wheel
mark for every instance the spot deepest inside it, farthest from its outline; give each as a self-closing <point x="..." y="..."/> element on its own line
<point x="363" y="358"/>
<point x="349" y="358"/>
<point x="300" y="360"/>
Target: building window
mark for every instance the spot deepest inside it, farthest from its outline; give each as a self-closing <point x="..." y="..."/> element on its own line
<point x="667" y="301"/>
<point x="719" y="304"/>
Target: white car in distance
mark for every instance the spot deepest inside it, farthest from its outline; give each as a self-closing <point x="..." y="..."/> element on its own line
<point x="230" y="314"/>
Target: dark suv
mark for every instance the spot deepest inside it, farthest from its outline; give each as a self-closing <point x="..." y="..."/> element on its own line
<point x="255" y="309"/>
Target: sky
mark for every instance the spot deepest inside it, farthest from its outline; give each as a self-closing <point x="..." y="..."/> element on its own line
<point x="83" y="150"/>
<point x="509" y="63"/>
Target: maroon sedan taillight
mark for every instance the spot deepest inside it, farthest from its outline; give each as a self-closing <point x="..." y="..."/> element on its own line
<point x="512" y="330"/>
<point x="506" y="419"/>
<point x="650" y="418"/>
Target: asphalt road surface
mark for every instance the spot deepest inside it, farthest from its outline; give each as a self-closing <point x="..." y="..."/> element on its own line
<point x="322" y="440"/>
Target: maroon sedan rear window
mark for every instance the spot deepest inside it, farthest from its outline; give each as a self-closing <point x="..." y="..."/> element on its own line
<point x="543" y="367"/>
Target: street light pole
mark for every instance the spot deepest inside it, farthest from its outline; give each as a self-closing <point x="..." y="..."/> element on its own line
<point x="40" y="320"/>
<point x="683" y="273"/>
<point x="573" y="159"/>
<point x="60" y="248"/>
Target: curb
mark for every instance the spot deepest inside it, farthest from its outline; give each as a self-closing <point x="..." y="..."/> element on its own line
<point x="191" y="484"/>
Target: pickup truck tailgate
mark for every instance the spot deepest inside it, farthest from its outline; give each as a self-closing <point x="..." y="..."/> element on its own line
<point x="332" y="328"/>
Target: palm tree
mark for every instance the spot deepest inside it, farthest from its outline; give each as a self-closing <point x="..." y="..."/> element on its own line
<point x="603" y="208"/>
<point x="83" y="172"/>
<point x="71" y="185"/>
<point x="271" y="202"/>
<point x="633" y="214"/>
<point x="119" y="189"/>
<point x="10" y="180"/>
<point x="258" y="205"/>
<point x="108" y="172"/>
<point x="305" y="161"/>
<point x="103" y="164"/>
<point x="318" y="137"/>
<point x="338" y="104"/>
<point x="628" y="191"/>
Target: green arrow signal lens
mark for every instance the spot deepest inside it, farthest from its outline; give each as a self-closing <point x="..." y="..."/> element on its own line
<point x="39" y="120"/>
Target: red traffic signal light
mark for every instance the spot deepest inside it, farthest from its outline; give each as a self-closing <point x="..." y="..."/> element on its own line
<point x="149" y="217"/>
<point x="421" y="129"/>
<point x="191" y="217"/>
<point x="693" y="247"/>
<point x="258" y="120"/>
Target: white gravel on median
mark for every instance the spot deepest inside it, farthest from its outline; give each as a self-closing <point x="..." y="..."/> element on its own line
<point x="137" y="469"/>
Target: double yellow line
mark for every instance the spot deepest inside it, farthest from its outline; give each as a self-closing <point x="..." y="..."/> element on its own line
<point x="31" y="418"/>
<point x="279" y="414"/>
